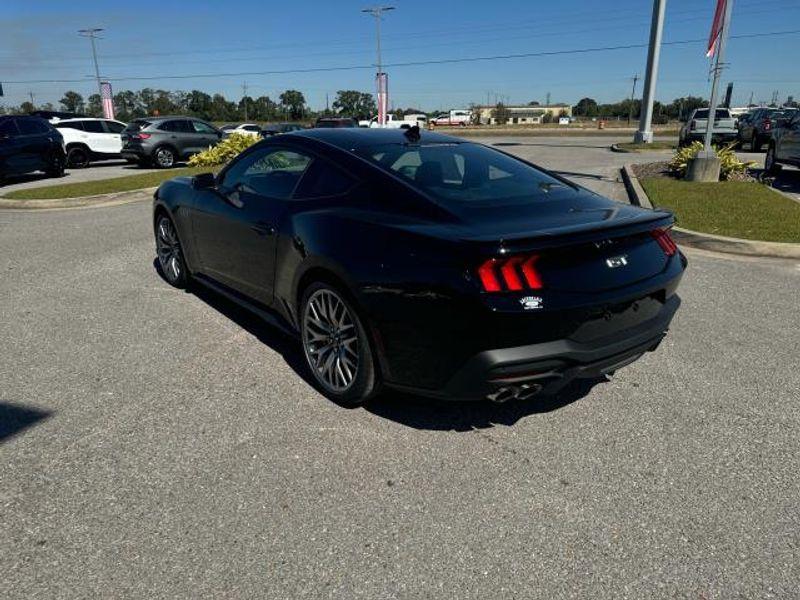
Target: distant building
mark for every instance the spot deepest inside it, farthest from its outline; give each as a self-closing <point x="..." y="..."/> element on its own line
<point x="522" y="114"/>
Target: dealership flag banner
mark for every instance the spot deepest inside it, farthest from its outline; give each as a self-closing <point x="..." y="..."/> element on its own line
<point x="383" y="96"/>
<point x="716" y="28"/>
<point x="107" y="98"/>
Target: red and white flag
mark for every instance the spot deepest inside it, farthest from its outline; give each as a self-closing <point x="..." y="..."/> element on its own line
<point x="383" y="96"/>
<point x="107" y="99"/>
<point x="716" y="28"/>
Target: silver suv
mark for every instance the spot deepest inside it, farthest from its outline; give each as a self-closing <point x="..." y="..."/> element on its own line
<point x="164" y="141"/>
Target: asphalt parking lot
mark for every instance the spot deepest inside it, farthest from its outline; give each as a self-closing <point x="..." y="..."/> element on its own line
<point x="163" y="444"/>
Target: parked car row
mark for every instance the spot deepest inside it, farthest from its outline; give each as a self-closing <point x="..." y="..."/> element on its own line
<point x="756" y="127"/>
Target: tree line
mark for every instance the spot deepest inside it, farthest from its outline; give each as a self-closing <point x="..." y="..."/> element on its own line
<point x="290" y="105"/>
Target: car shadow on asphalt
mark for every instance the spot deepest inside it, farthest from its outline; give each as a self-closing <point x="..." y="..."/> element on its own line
<point x="431" y="414"/>
<point x="411" y="410"/>
<point x="14" y="418"/>
<point x="788" y="181"/>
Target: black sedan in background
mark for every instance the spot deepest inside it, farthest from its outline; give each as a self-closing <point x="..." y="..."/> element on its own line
<point x="278" y="128"/>
<point x="29" y="144"/>
<point x="424" y="262"/>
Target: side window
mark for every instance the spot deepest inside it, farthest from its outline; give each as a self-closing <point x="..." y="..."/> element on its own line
<point x="114" y="127"/>
<point x="251" y="128"/>
<point x="31" y="127"/>
<point x="94" y="126"/>
<point x="271" y="172"/>
<point x="200" y="127"/>
<point x="323" y="179"/>
<point x="171" y="126"/>
<point x="8" y="128"/>
<point x="70" y="125"/>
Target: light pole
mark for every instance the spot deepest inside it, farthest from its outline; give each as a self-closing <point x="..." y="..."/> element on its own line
<point x="377" y="12"/>
<point x="91" y="33"/>
<point x="708" y="151"/>
<point x="645" y="133"/>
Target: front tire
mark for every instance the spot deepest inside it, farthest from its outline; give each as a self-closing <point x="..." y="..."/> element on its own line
<point x="336" y="346"/>
<point x="771" y="166"/>
<point x="170" y="253"/>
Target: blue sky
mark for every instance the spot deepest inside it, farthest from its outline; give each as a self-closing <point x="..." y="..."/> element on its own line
<point x="38" y="41"/>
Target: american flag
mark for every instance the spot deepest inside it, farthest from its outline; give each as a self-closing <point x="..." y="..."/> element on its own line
<point x="716" y="28"/>
<point x="108" y="100"/>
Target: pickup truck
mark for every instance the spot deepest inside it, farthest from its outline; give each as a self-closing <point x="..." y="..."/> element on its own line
<point x="784" y="146"/>
<point x="393" y="122"/>
<point x="459" y="117"/>
<point x="724" y="128"/>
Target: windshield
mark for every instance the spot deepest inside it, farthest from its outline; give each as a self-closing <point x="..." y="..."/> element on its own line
<point x="721" y="113"/>
<point x="462" y="173"/>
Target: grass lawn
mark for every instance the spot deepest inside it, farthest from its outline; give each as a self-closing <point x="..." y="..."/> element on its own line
<point x="102" y="186"/>
<point x="731" y="208"/>
<point x="636" y="147"/>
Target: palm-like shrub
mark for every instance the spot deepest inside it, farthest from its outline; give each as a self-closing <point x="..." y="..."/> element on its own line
<point x="730" y="165"/>
<point x="224" y="151"/>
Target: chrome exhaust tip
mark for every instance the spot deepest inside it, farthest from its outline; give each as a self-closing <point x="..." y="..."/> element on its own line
<point x="528" y="390"/>
<point x="503" y="394"/>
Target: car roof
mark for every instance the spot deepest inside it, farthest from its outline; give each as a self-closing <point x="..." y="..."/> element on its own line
<point x="360" y="137"/>
<point x="168" y="118"/>
<point x="85" y="119"/>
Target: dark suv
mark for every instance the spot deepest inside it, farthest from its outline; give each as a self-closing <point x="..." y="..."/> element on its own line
<point x="163" y="141"/>
<point x="757" y="128"/>
<point x="30" y="144"/>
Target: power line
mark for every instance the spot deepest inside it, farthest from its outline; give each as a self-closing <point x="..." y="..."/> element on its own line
<point x="415" y="63"/>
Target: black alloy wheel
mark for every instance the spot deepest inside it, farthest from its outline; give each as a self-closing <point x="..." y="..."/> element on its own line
<point x="78" y="158"/>
<point x="170" y="254"/>
<point x="771" y="166"/>
<point x="56" y="165"/>
<point x="336" y="346"/>
<point x="164" y="157"/>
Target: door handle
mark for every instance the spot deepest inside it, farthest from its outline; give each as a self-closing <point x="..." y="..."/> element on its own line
<point x="264" y="229"/>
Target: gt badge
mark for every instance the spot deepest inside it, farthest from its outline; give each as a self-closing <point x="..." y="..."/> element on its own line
<point x="617" y="261"/>
<point x="531" y="302"/>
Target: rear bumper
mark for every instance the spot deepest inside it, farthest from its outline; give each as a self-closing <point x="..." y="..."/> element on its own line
<point x="550" y="366"/>
<point x="135" y="152"/>
<point x="716" y="138"/>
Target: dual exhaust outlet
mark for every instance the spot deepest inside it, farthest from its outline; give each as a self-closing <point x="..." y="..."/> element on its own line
<point x="514" y="392"/>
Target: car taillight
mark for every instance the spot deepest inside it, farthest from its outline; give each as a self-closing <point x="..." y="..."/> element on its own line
<point x="664" y="240"/>
<point x="510" y="274"/>
<point x="767" y="124"/>
<point x="141" y="136"/>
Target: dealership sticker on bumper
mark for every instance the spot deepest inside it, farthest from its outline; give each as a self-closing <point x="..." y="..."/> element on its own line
<point x="531" y="302"/>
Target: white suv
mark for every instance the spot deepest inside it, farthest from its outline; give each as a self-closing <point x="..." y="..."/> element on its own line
<point x="87" y="140"/>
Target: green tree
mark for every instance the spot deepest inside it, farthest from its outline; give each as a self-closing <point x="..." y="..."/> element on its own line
<point x="500" y="114"/>
<point x="72" y="102"/>
<point x="293" y="102"/>
<point x="264" y="109"/>
<point x="586" y="107"/>
<point x="547" y="117"/>
<point x="27" y="107"/>
<point x="94" y="106"/>
<point x="222" y="109"/>
<point x="199" y="104"/>
<point x="353" y="103"/>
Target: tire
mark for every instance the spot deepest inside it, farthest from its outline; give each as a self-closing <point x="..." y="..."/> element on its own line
<point x="170" y="253"/>
<point x="56" y="165"/>
<point x="771" y="166"/>
<point x="78" y="157"/>
<point x="755" y="143"/>
<point x="164" y="157"/>
<point x="336" y="346"/>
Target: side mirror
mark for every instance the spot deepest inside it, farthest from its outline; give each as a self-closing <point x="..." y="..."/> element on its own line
<point x="204" y="181"/>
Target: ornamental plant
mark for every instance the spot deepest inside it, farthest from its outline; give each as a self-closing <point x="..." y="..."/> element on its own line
<point x="224" y="151"/>
<point x="730" y="165"/>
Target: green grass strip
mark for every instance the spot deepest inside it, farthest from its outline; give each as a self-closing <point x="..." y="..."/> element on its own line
<point x="739" y="209"/>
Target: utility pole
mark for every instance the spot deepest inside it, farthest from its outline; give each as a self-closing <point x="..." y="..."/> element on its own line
<point x="547" y="102"/>
<point x="32" y="97"/>
<point x="244" y="99"/>
<point x="645" y="134"/>
<point x="377" y="12"/>
<point x="708" y="152"/>
<point x="751" y="100"/>
<point x="91" y="33"/>
<point x="633" y="95"/>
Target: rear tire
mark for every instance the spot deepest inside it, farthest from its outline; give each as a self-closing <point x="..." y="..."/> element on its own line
<point x="56" y="164"/>
<point x="336" y="346"/>
<point x="164" y="157"/>
<point x="78" y="158"/>
<point x="755" y="143"/>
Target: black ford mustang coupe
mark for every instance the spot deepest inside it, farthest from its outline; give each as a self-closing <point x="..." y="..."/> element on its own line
<point x="423" y="262"/>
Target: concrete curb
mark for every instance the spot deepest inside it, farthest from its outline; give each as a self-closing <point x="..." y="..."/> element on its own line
<point x="100" y="200"/>
<point x="708" y="241"/>
<point x="616" y="148"/>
